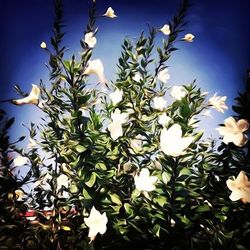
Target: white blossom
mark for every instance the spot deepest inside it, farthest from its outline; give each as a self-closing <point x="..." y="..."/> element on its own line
<point x="110" y="13"/>
<point x="232" y="131"/>
<point x="218" y="103"/>
<point x="20" y="161"/>
<point x="96" y="222"/>
<point x="165" y="29"/>
<point x="159" y="103"/>
<point x="178" y="92"/>
<point x="115" y="127"/>
<point x="90" y="39"/>
<point x="172" y="222"/>
<point x="43" y="45"/>
<point x="189" y="37"/>
<point x="171" y="140"/>
<point x="32" y="98"/>
<point x="163" y="75"/>
<point x="137" y="77"/>
<point x="145" y="182"/>
<point x="96" y="67"/>
<point x="240" y="188"/>
<point x="164" y="120"/>
<point x="116" y="96"/>
<point x="62" y="181"/>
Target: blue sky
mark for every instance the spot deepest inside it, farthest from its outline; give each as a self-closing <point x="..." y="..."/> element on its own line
<point x="218" y="58"/>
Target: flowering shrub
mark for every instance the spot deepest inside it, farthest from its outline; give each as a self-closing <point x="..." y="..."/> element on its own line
<point x="126" y="165"/>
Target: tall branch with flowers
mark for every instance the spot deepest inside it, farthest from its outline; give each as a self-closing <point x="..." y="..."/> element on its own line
<point x="126" y="164"/>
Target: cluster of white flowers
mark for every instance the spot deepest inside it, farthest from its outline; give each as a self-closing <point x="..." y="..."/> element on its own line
<point x="172" y="140"/>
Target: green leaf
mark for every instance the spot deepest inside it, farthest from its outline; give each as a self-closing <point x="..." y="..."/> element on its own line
<point x="80" y="148"/>
<point x="115" y="199"/>
<point x="83" y="99"/>
<point x="73" y="188"/>
<point x="90" y="183"/>
<point x="185" y="221"/>
<point x="165" y="177"/>
<point x="156" y="230"/>
<point x="101" y="166"/>
<point x="86" y="194"/>
<point x="135" y="194"/>
<point x="128" y="208"/>
<point x="161" y="200"/>
<point x="203" y="208"/>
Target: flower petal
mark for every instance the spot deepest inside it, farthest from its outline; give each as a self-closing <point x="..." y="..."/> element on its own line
<point x="242" y="125"/>
<point x="236" y="195"/>
<point x="230" y="123"/>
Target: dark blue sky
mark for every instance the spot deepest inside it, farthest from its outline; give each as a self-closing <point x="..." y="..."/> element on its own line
<point x="218" y="58"/>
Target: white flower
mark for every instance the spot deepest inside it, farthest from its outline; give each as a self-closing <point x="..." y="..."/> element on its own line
<point x="119" y="117"/>
<point x="32" y="98"/>
<point x="115" y="127"/>
<point x="159" y="103"/>
<point x="96" y="222"/>
<point x="165" y="29"/>
<point x="19" y="194"/>
<point x="218" y="102"/>
<point x="20" y="161"/>
<point x="171" y="141"/>
<point x="116" y="96"/>
<point x="32" y="143"/>
<point x="178" y="92"/>
<point x="62" y="181"/>
<point x="172" y="222"/>
<point x="137" y="77"/>
<point x="145" y="182"/>
<point x="240" y="188"/>
<point x="164" y="120"/>
<point x="189" y="37"/>
<point x="90" y="39"/>
<point x="43" y="45"/>
<point x="110" y="13"/>
<point x="163" y="75"/>
<point x="233" y="131"/>
<point x="96" y="67"/>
